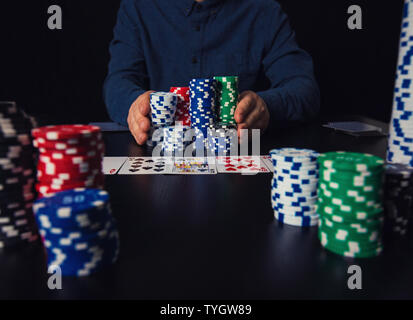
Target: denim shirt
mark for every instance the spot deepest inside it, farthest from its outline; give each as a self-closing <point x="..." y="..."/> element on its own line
<point x="158" y="44"/>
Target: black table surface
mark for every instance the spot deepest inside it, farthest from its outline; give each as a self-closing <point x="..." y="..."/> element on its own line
<point x="215" y="237"/>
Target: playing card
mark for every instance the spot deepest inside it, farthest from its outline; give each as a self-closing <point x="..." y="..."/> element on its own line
<point x="268" y="162"/>
<point x="147" y="165"/>
<point x="241" y="164"/>
<point x="111" y="165"/>
<point x="194" y="165"/>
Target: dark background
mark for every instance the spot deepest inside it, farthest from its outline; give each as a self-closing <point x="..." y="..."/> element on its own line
<point x="60" y="74"/>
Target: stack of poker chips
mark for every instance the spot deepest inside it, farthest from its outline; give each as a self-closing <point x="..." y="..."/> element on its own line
<point x="294" y="186"/>
<point x="163" y="109"/>
<point x="78" y="230"/>
<point x="182" y="109"/>
<point x="202" y="108"/>
<point x="227" y="89"/>
<point x="398" y="198"/>
<point x="400" y="148"/>
<point x="350" y="204"/>
<point x="70" y="156"/>
<point x="17" y="178"/>
<point x="223" y="140"/>
<point x="174" y="140"/>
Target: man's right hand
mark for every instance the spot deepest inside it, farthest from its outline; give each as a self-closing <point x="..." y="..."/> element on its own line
<point x="138" y="118"/>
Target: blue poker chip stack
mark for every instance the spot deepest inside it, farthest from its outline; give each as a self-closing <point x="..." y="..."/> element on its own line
<point x="223" y="140"/>
<point x="400" y="148"/>
<point x="163" y="108"/>
<point x="202" y="108"/>
<point x="294" y="186"/>
<point x="174" y="142"/>
<point x="78" y="231"/>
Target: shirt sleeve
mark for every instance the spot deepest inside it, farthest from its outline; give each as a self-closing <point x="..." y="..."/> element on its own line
<point x="293" y="94"/>
<point x="127" y="77"/>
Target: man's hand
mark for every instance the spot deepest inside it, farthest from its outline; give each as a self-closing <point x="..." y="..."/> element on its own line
<point x="138" y="120"/>
<point x="252" y="112"/>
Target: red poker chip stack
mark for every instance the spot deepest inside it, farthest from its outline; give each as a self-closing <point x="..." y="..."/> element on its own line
<point x="182" y="109"/>
<point x="70" y="157"/>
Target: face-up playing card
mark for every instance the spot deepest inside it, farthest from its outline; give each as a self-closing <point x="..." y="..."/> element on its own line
<point x="268" y="162"/>
<point x="194" y="165"/>
<point x="241" y="164"/>
<point x="147" y="165"/>
<point x="111" y="165"/>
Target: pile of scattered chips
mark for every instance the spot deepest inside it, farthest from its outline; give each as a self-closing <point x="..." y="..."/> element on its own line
<point x="294" y="186"/>
<point x="174" y="140"/>
<point x="78" y="230"/>
<point x="17" y="177"/>
<point x="182" y="109"/>
<point x="400" y="148"/>
<point x="70" y="157"/>
<point x="398" y="198"/>
<point x="163" y="108"/>
<point x="350" y="203"/>
<point x="227" y="89"/>
<point x="223" y="140"/>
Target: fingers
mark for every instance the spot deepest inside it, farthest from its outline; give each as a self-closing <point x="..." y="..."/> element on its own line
<point x="144" y="104"/>
<point x="245" y="106"/>
<point x="140" y="135"/>
<point x="138" y="121"/>
<point x="142" y="122"/>
<point x="253" y="111"/>
<point x="253" y="117"/>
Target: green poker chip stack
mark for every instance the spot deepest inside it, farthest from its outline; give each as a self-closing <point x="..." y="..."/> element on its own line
<point x="350" y="203"/>
<point x="227" y="91"/>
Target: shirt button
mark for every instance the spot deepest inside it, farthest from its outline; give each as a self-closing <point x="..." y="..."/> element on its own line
<point x="198" y="7"/>
<point x="198" y="28"/>
<point x="194" y="60"/>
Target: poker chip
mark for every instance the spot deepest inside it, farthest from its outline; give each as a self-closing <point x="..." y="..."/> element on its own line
<point x="398" y="199"/>
<point x="294" y="186"/>
<point x="70" y="156"/>
<point x="17" y="177"/>
<point x="163" y="109"/>
<point x="78" y="230"/>
<point x="223" y="140"/>
<point x="227" y="98"/>
<point x="400" y="144"/>
<point x="202" y="107"/>
<point x="182" y="116"/>
<point x="174" y="140"/>
<point x="350" y="203"/>
<point x="66" y="132"/>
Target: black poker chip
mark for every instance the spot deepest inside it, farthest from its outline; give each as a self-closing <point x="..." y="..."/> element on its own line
<point x="17" y="177"/>
<point x="398" y="199"/>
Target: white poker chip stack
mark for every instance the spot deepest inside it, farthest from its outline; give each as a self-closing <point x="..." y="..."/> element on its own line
<point x="163" y="108"/>
<point x="223" y="140"/>
<point x="294" y="186"/>
<point x="174" y="142"/>
<point x="400" y="148"/>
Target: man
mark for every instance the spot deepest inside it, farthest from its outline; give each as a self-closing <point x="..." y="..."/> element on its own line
<point x="162" y="43"/>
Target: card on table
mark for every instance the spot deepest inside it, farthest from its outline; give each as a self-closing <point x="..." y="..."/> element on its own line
<point x="147" y="165"/>
<point x="111" y="165"/>
<point x="268" y="162"/>
<point x="241" y="164"/>
<point x="194" y="165"/>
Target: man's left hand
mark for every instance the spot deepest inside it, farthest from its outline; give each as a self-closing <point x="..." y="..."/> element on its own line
<point x="252" y="112"/>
